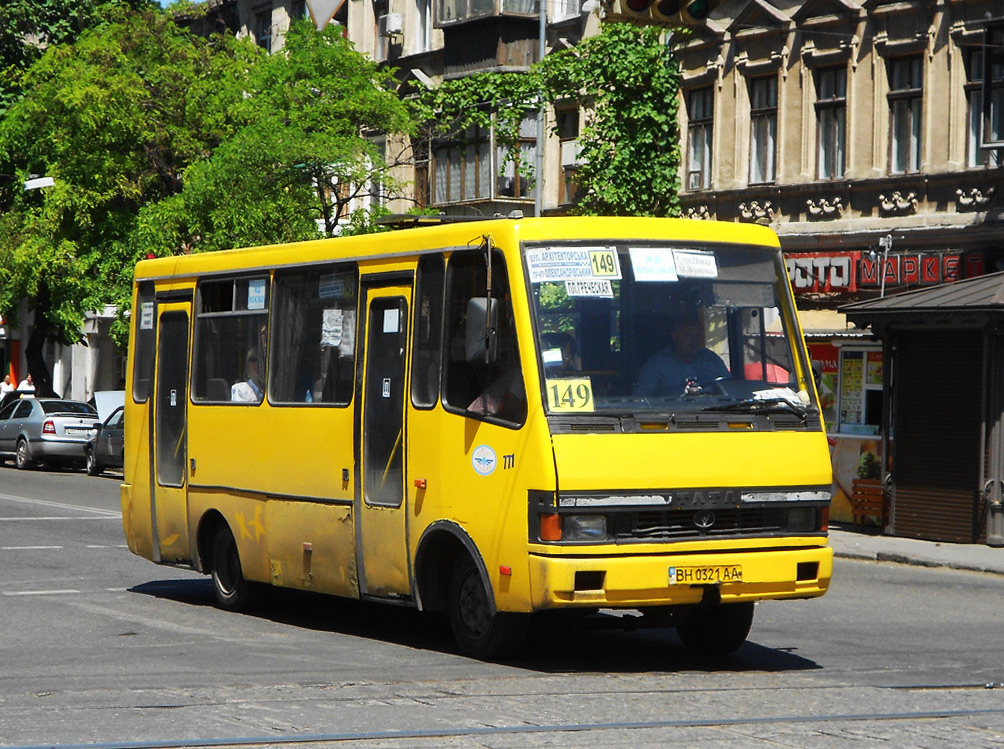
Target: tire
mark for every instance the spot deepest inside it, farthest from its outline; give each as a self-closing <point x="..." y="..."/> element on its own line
<point x="22" y="458"/>
<point x="232" y="591"/>
<point x="718" y="629"/>
<point x="478" y="631"/>
<point x="91" y="464"/>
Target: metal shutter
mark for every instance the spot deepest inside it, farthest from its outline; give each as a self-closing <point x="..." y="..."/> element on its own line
<point x="938" y="397"/>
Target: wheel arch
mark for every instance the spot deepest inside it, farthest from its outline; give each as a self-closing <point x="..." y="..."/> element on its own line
<point x="442" y="544"/>
<point x="204" y="536"/>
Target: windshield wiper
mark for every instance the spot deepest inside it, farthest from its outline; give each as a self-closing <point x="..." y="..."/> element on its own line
<point x="766" y="405"/>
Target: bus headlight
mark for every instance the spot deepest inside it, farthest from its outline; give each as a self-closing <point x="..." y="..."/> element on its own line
<point x="802" y="519"/>
<point x="584" y="528"/>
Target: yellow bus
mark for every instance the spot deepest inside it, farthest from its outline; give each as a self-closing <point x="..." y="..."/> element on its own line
<point x="490" y="419"/>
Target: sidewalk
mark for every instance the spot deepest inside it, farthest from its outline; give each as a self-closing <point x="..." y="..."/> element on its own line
<point x="853" y="545"/>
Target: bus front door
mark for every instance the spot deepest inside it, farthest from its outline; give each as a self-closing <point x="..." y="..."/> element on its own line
<point x="382" y="528"/>
<point x="168" y="491"/>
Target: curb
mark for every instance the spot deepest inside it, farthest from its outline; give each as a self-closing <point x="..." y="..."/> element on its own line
<point x="891" y="557"/>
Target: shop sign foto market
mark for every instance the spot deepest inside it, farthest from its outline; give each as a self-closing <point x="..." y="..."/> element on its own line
<point x="850" y="272"/>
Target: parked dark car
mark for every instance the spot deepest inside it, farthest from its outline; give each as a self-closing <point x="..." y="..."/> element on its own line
<point x="107" y="441"/>
<point x="50" y="430"/>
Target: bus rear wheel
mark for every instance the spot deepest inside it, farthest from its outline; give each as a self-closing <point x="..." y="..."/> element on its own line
<point x="479" y="631"/>
<point x="716" y="629"/>
<point x="231" y="589"/>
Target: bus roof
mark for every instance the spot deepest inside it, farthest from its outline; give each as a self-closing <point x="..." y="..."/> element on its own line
<point x="455" y="235"/>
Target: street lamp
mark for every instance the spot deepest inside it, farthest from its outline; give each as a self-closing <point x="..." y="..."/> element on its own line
<point x="886" y="244"/>
<point x="36" y="183"/>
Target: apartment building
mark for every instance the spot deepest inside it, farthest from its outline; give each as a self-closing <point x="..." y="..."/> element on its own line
<point x="853" y="129"/>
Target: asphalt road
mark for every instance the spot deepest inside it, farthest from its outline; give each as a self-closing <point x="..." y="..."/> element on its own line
<point x="101" y="648"/>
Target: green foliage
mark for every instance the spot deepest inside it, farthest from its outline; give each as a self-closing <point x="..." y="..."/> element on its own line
<point x="630" y="148"/>
<point x="28" y="27"/>
<point x="629" y="80"/>
<point x="114" y="119"/>
<point x="161" y="142"/>
<point x="302" y="117"/>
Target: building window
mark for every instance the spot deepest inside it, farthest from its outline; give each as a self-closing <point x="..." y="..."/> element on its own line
<point x="421" y="38"/>
<point x="568" y="138"/>
<point x="975" y="155"/>
<point x="457" y="11"/>
<point x="565" y="9"/>
<point x="517" y="177"/>
<point x="420" y="148"/>
<point x="831" y="119"/>
<point x="860" y="397"/>
<point x="906" y="76"/>
<point x="763" y="129"/>
<point x="298" y="11"/>
<point x="700" y="115"/>
<point x="463" y="169"/>
<point x="263" y="28"/>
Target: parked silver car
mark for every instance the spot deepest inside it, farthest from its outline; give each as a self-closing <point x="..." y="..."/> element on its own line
<point x="36" y="430"/>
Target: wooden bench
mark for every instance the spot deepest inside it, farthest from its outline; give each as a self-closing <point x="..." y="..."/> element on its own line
<point x="868" y="500"/>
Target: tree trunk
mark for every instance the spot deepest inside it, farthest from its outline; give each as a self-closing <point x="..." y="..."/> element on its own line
<point x="41" y="328"/>
<point x="37" y="367"/>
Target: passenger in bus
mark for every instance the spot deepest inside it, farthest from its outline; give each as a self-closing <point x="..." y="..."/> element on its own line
<point x="563" y="343"/>
<point x="249" y="390"/>
<point x="504" y="395"/>
<point x="683" y="361"/>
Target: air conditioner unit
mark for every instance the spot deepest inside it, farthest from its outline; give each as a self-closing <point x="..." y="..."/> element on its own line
<point x="390" y="24"/>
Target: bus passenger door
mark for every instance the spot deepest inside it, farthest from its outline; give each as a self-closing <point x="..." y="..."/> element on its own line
<point x="168" y="491"/>
<point x="382" y="528"/>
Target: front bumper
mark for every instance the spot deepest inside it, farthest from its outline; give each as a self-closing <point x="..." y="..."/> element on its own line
<point x="643" y="581"/>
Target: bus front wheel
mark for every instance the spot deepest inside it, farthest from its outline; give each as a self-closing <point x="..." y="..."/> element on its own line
<point x="716" y="629"/>
<point x="479" y="631"/>
<point x="231" y="589"/>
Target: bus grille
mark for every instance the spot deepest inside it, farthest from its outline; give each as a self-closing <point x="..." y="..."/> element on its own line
<point x="666" y="525"/>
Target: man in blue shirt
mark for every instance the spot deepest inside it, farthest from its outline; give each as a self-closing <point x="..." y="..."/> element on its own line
<point x="685" y="358"/>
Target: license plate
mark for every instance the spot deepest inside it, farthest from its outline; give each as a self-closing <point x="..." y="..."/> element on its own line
<point x="77" y="430"/>
<point x="706" y="575"/>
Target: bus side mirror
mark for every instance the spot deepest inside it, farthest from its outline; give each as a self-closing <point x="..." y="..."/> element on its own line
<point x="481" y="333"/>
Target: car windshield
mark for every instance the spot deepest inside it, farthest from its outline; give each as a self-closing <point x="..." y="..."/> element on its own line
<point x="68" y="407"/>
<point x="632" y="328"/>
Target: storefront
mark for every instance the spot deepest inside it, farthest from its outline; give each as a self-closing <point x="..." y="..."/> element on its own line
<point x="847" y="364"/>
<point x="944" y="387"/>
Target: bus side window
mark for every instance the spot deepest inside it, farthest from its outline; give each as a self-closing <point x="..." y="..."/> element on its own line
<point x="313" y="338"/>
<point x="231" y="340"/>
<point x="144" y="342"/>
<point x="427" y="347"/>
<point x="493" y="389"/>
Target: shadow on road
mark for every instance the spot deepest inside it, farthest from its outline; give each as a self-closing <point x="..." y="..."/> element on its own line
<point x="559" y="645"/>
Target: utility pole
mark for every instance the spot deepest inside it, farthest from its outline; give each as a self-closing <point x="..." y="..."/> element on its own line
<point x="539" y="162"/>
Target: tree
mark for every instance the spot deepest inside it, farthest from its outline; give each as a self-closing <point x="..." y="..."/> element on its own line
<point x="162" y="143"/>
<point x="28" y="27"/>
<point x="630" y="147"/>
<point x="114" y="119"/>
<point x="304" y="150"/>
<point x="627" y="78"/>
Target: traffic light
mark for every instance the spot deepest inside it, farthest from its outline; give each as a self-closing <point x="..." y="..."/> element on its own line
<point x="673" y="13"/>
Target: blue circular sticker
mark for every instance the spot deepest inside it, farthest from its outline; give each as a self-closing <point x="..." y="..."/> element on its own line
<point x="483" y="460"/>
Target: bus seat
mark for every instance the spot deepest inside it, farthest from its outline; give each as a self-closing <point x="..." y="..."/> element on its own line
<point x="217" y="389"/>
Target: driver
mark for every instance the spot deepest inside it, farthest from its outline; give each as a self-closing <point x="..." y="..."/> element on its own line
<point x="684" y="359"/>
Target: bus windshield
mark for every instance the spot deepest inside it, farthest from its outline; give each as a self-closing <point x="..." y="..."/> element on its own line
<point x="636" y="328"/>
